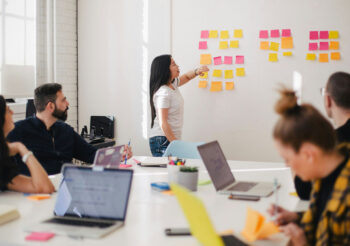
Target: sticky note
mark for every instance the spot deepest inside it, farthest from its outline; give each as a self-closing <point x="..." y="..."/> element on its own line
<point x="38" y="197"/>
<point x="286" y="33"/>
<point x="238" y="33"/>
<point x="324" y="45"/>
<point x="310" y="56"/>
<point x="313" y="46"/>
<point x="264" y="45"/>
<point x="229" y="86"/>
<point x="264" y="34"/>
<point x="216" y="86"/>
<point x="240" y="71"/>
<point x="239" y="59"/>
<point x="213" y="34"/>
<point x="234" y="44"/>
<point x="204" y="75"/>
<point x="205" y="59"/>
<point x="203" y="45"/>
<point x="323" y="57"/>
<point x="217" y="73"/>
<point x="335" y="56"/>
<point x="217" y="60"/>
<point x="333" y="34"/>
<point x="205" y="34"/>
<point x="324" y="35"/>
<point x="313" y="35"/>
<point x="228" y="60"/>
<point x="40" y="236"/>
<point x="289" y="53"/>
<point x="228" y="74"/>
<point x="274" y="46"/>
<point x="334" y="45"/>
<point x="224" y="34"/>
<point x="273" y="57"/>
<point x="223" y="45"/>
<point x="202" y="84"/>
<point x="287" y="43"/>
<point x="275" y="33"/>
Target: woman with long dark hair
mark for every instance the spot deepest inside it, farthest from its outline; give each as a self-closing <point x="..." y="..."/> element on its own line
<point x="167" y="104"/>
<point x="10" y="178"/>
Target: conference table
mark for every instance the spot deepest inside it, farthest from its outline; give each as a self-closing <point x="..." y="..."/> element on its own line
<point x="150" y="212"/>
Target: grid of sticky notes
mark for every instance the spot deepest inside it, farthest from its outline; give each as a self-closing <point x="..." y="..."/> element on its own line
<point x="220" y="52"/>
<point x="323" y="46"/>
<point x="275" y="40"/>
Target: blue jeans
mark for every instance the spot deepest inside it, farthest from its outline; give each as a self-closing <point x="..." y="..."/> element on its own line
<point x="158" y="145"/>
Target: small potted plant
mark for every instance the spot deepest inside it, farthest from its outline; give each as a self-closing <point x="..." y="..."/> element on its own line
<point x="188" y="177"/>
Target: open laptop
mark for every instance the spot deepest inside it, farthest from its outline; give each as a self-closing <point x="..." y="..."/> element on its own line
<point x="222" y="177"/>
<point x="91" y="202"/>
<point x="109" y="157"/>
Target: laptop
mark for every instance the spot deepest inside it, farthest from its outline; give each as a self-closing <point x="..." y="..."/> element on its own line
<point x="109" y="157"/>
<point x="91" y="202"/>
<point x="222" y="177"/>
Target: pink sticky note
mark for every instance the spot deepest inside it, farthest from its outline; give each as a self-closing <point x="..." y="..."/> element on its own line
<point x="239" y="59"/>
<point x="286" y="33"/>
<point x="204" y="34"/>
<point x="323" y="34"/>
<point x="264" y="34"/>
<point x="275" y="33"/>
<point x="324" y="45"/>
<point x="228" y="60"/>
<point x="125" y="165"/>
<point x="217" y="60"/>
<point x="203" y="45"/>
<point x="313" y="35"/>
<point x="39" y="236"/>
<point x="313" y="46"/>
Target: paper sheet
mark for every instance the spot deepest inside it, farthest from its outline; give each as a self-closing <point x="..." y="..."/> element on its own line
<point x="324" y="35"/>
<point x="205" y="59"/>
<point x="204" y="75"/>
<point x="202" y="84"/>
<point x="205" y="34"/>
<point x="313" y="35"/>
<point x="223" y="45"/>
<point x="273" y="57"/>
<point x="240" y="71"/>
<point x="323" y="57"/>
<point x="287" y="43"/>
<point x="203" y="45"/>
<point x="224" y="34"/>
<point x="217" y="60"/>
<point x="229" y="86"/>
<point x="324" y="45"/>
<point x="311" y="56"/>
<point x="213" y="34"/>
<point x="275" y="33"/>
<point x="234" y="44"/>
<point x="313" y="46"/>
<point x="289" y="53"/>
<point x="217" y="73"/>
<point x="286" y="33"/>
<point x="239" y="59"/>
<point x="228" y="60"/>
<point x="228" y="74"/>
<point x="335" y="56"/>
<point x="334" y="45"/>
<point x="274" y="46"/>
<point x="333" y="34"/>
<point x="238" y="33"/>
<point x="216" y="86"/>
<point x="264" y="45"/>
<point x="264" y="34"/>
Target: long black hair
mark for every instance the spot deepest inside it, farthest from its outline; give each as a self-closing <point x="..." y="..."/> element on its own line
<point x="4" y="150"/>
<point x="160" y="75"/>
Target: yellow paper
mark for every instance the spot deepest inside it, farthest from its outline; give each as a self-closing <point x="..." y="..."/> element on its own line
<point x="289" y="53"/>
<point x="234" y="44"/>
<point x="264" y="45"/>
<point x="228" y="74"/>
<point x="224" y="34"/>
<point x="216" y="86"/>
<point x="213" y="34"/>
<point x="202" y="84"/>
<point x="204" y="75"/>
<point x="238" y="33"/>
<point x="293" y="194"/>
<point x="240" y="71"/>
<point x="323" y="57"/>
<point x="335" y="56"/>
<point x="334" y="45"/>
<point x="273" y="57"/>
<point x="217" y="73"/>
<point x="267" y="229"/>
<point x="333" y="34"/>
<point x="311" y="56"/>
<point x="229" y="86"/>
<point x="223" y="45"/>
<point x="205" y="59"/>
<point x="274" y="46"/>
<point x="287" y="43"/>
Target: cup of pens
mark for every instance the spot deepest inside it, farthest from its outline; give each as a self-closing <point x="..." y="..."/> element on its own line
<point x="174" y="168"/>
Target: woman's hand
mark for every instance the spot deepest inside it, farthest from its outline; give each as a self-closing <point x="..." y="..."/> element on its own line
<point x="127" y="152"/>
<point x="283" y="216"/>
<point x="17" y="148"/>
<point x="201" y="70"/>
<point x="295" y="233"/>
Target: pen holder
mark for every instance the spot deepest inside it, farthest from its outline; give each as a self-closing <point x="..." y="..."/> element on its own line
<point x="188" y="177"/>
<point x="173" y="172"/>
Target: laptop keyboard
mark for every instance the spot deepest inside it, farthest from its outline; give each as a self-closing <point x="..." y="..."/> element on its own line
<point x="243" y="186"/>
<point x="75" y="222"/>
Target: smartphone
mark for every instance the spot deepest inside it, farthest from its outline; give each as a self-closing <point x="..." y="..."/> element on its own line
<point x="177" y="231"/>
<point x="244" y="197"/>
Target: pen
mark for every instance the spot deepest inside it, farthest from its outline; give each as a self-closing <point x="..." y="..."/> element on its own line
<point x="126" y="154"/>
<point x="276" y="197"/>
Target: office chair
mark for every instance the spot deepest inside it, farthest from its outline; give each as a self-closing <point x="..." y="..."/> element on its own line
<point x="30" y="108"/>
<point x="182" y="149"/>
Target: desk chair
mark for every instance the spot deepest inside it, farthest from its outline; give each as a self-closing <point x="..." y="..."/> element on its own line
<point x="182" y="149"/>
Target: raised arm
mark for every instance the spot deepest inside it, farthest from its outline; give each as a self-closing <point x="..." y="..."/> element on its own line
<point x="192" y="74"/>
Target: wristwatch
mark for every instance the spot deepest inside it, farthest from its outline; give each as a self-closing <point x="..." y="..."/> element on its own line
<point x="26" y="156"/>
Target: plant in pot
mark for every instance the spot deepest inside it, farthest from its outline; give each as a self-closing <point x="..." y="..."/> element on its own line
<point x="188" y="177"/>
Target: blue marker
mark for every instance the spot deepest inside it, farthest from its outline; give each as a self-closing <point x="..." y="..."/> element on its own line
<point x="126" y="155"/>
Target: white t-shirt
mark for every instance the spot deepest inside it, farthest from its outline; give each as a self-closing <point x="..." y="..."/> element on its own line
<point x="165" y="97"/>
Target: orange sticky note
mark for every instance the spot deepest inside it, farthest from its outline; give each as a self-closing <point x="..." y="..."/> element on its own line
<point x="273" y="57"/>
<point x="287" y="43"/>
<point x="224" y="34"/>
<point x="334" y="45"/>
<point x="228" y="74"/>
<point x="223" y="45"/>
<point x="213" y="34"/>
<point x="229" y="86"/>
<point x="217" y="73"/>
<point x="168" y="192"/>
<point x="234" y="44"/>
<point x="335" y="56"/>
<point x="333" y="34"/>
<point x="289" y="53"/>
<point x="205" y="59"/>
<point x="204" y="75"/>
<point x="264" y="45"/>
<point x="216" y="86"/>
<point x="311" y="56"/>
<point x="240" y="71"/>
<point x="238" y="33"/>
<point x="274" y="46"/>
<point x="38" y="197"/>
<point x="323" y="57"/>
<point x="202" y="84"/>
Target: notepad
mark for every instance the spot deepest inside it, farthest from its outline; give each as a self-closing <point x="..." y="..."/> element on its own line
<point x="8" y="213"/>
<point x="154" y="162"/>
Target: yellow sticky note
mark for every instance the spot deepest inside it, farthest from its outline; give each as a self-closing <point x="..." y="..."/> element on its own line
<point x="223" y="45"/>
<point x="213" y="34"/>
<point x="234" y="44"/>
<point x="289" y="53"/>
<point x="323" y="57"/>
<point x="238" y="33"/>
<point x="264" y="45"/>
<point x="229" y="86"/>
<point x="333" y="34"/>
<point x="334" y="45"/>
<point x="240" y="71"/>
<point x="204" y="75"/>
<point x="274" y="46"/>
<point x="287" y="43"/>
<point x="273" y="57"/>
<point x="228" y="74"/>
<point x="216" y="86"/>
<point x="205" y="59"/>
<point x="202" y="84"/>
<point x="224" y="34"/>
<point x="311" y="56"/>
<point x="217" y="73"/>
<point x="335" y="56"/>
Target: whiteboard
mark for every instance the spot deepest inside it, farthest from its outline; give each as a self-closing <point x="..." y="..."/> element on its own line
<point x="242" y="120"/>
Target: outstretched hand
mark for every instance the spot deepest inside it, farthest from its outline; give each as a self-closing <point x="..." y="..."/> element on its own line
<point x="201" y="70"/>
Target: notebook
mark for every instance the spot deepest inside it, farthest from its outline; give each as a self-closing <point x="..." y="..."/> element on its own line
<point x="154" y="162"/>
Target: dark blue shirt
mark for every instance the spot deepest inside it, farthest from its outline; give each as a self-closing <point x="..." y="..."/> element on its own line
<point x="53" y="147"/>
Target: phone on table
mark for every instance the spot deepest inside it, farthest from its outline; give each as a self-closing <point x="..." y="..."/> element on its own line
<point x="177" y="231"/>
<point x="244" y="197"/>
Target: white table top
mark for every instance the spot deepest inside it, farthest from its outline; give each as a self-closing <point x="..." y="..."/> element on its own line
<point x="150" y="212"/>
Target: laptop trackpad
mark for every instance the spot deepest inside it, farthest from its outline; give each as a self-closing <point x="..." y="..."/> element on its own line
<point x="243" y="186"/>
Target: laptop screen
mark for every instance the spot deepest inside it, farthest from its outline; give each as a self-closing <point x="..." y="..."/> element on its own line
<point x="98" y="193"/>
<point x="109" y="157"/>
<point x="216" y="164"/>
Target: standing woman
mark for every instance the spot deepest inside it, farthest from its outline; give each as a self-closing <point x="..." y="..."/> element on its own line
<point x="167" y="104"/>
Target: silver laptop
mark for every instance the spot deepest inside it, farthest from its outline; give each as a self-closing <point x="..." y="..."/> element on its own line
<point x="222" y="177"/>
<point x="109" y="157"/>
<point x="91" y="202"/>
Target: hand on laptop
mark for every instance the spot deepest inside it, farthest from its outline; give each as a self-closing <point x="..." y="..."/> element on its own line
<point x="283" y="216"/>
<point x="127" y="152"/>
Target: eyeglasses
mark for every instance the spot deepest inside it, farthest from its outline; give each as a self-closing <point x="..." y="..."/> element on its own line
<point x="323" y="91"/>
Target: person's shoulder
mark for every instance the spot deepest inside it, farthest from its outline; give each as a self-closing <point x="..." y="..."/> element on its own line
<point x="163" y="90"/>
<point x="25" y="122"/>
<point x="63" y="125"/>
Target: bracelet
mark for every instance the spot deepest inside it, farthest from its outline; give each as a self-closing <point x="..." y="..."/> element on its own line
<point x="26" y="156"/>
<point x="195" y="72"/>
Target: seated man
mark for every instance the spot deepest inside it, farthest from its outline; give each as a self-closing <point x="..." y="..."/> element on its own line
<point x="51" y="140"/>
